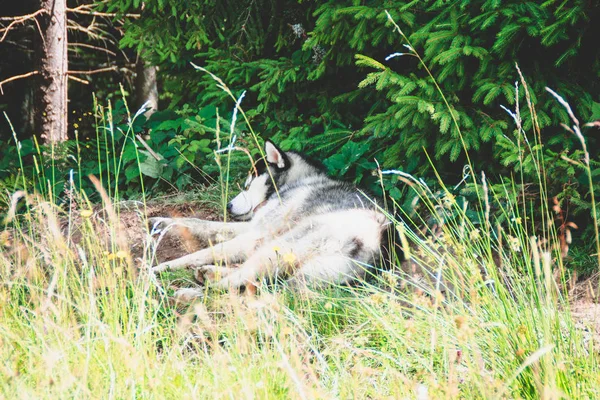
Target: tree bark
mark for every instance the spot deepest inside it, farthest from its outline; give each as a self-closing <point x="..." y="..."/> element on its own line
<point x="51" y="98"/>
<point x="146" y="88"/>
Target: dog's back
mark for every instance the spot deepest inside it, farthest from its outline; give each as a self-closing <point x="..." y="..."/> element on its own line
<point x="317" y="211"/>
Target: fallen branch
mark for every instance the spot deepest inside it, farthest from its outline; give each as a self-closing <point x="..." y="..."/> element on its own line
<point x="152" y="153"/>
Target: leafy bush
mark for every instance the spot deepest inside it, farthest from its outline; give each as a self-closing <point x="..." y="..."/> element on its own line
<point x="128" y="154"/>
<point x="318" y="79"/>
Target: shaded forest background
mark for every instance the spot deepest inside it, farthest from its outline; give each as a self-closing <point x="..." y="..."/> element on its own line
<point x="317" y="78"/>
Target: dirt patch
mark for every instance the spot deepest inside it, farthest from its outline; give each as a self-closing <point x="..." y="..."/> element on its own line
<point x="170" y="247"/>
<point x="134" y="231"/>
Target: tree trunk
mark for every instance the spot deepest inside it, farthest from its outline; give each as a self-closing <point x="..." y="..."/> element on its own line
<point x="146" y="89"/>
<point x="51" y="97"/>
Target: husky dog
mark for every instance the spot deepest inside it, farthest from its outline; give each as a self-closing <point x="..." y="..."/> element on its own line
<point x="291" y="221"/>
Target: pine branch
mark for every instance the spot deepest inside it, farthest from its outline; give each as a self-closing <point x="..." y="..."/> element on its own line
<point x="16" y="77"/>
<point x="18" y="20"/>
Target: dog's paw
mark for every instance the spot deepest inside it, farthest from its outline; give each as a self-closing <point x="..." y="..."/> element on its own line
<point x="208" y="274"/>
<point x="157" y="269"/>
<point x="157" y="224"/>
<point x="221" y="237"/>
<point x="188" y="295"/>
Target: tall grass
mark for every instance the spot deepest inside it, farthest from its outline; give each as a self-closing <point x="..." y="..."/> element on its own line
<point x="480" y="311"/>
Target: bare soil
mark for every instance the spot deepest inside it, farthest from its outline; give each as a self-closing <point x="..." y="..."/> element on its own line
<point x="134" y="232"/>
<point x="170" y="247"/>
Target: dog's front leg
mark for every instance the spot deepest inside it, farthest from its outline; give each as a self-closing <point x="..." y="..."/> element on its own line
<point x="275" y="257"/>
<point x="214" y="231"/>
<point x="234" y="250"/>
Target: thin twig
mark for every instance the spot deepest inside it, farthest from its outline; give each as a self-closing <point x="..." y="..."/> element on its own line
<point x="18" y="20"/>
<point x="101" y="14"/>
<point x="88" y="9"/>
<point x="16" y="77"/>
<point x="79" y="80"/>
<point x="91" y="72"/>
<point x="89" y="46"/>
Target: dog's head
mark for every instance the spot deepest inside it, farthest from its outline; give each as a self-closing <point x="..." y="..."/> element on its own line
<point x="276" y="169"/>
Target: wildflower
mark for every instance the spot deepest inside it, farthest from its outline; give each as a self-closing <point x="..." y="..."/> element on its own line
<point x="378" y="298"/>
<point x="520" y="352"/>
<point x="121" y="254"/>
<point x="298" y="30"/>
<point x="514" y="243"/>
<point x="86" y="213"/>
<point x="286" y="331"/>
<point x="449" y="199"/>
<point x="475" y="234"/>
<point x="76" y="125"/>
<point x="276" y="249"/>
<point x="289" y="258"/>
<point x="328" y="306"/>
<point x="391" y="279"/>
<point x="460" y="321"/>
<point x="318" y="54"/>
<point x="111" y="256"/>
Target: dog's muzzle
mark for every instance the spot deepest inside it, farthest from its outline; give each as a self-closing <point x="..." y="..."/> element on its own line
<point x="246" y="216"/>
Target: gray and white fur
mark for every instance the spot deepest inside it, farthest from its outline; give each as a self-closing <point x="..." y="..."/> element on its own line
<point x="293" y="222"/>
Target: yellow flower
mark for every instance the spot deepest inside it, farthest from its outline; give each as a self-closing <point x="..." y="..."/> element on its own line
<point x="378" y="298"/>
<point x="75" y="126"/>
<point x="111" y="256"/>
<point x="475" y="234"/>
<point x="460" y="321"/>
<point x="289" y="258"/>
<point x="286" y="331"/>
<point x="121" y="254"/>
<point x="276" y="249"/>
<point x="86" y="213"/>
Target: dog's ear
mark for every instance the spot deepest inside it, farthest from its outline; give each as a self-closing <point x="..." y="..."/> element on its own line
<point x="275" y="155"/>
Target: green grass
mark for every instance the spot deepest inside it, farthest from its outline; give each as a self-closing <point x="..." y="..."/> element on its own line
<point x="480" y="312"/>
<point x="79" y="323"/>
<point x="84" y="320"/>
